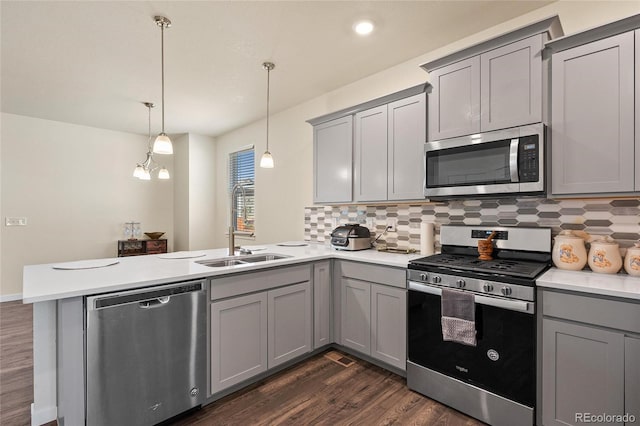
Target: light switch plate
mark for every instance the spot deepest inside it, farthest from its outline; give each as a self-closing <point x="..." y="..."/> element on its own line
<point x="15" y="221"/>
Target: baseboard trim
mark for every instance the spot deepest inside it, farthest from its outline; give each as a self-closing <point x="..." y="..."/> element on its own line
<point x="10" y="297"/>
<point x="43" y="416"/>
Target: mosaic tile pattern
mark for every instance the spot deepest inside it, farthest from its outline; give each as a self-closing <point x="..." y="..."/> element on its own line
<point x="618" y="218"/>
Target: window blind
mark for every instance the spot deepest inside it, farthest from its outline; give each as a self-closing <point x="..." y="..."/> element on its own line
<point x="242" y="172"/>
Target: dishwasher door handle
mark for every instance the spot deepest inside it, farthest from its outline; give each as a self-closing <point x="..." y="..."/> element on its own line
<point x="154" y="303"/>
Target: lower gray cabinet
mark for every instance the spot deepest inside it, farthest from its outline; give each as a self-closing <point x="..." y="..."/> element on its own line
<point x="289" y="318"/>
<point x="590" y="358"/>
<point x="238" y="340"/>
<point x="322" y="304"/>
<point x="373" y="311"/>
<point x="583" y="372"/>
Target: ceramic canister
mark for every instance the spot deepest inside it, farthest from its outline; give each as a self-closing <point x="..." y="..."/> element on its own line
<point x="632" y="260"/>
<point x="569" y="251"/>
<point x="604" y="256"/>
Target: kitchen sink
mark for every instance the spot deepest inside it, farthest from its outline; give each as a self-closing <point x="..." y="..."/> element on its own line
<point x="240" y="260"/>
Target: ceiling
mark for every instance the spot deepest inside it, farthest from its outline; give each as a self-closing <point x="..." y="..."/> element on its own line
<point x="94" y="62"/>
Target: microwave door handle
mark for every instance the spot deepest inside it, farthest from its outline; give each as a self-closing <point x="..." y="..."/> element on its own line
<point x="513" y="160"/>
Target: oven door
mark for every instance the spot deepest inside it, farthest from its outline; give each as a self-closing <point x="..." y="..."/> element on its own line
<point x="502" y="362"/>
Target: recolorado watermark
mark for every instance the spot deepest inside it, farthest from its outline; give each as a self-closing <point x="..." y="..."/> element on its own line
<point x="604" y="418"/>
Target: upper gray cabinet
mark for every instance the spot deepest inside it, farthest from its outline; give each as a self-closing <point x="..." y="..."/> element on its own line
<point x="332" y="158"/>
<point x="386" y="136"/>
<point x="594" y="124"/>
<point x="493" y="85"/>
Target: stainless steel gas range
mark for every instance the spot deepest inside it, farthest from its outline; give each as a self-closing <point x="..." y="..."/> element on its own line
<point x="471" y="323"/>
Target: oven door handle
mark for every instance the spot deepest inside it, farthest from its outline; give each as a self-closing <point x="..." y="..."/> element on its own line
<point x="512" y="305"/>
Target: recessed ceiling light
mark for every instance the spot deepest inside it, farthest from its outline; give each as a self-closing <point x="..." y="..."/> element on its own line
<point x="363" y="27"/>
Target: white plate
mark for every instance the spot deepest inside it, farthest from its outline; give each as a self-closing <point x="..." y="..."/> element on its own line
<point x="86" y="264"/>
<point x="254" y="248"/>
<point x="293" y="244"/>
<point x="181" y="255"/>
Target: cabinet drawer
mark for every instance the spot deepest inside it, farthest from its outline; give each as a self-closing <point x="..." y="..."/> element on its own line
<point x="386" y="275"/>
<point x="156" y="246"/>
<point x="237" y="284"/>
<point x="605" y="312"/>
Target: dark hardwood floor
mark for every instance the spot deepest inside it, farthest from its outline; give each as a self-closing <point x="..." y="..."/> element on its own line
<point x="319" y="391"/>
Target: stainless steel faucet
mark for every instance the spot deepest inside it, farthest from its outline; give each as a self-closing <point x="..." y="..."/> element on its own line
<point x="232" y="216"/>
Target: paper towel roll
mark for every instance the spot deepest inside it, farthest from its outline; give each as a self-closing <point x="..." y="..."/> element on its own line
<point x="426" y="238"/>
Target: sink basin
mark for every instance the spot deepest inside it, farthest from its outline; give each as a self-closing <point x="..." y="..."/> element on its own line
<point x="241" y="260"/>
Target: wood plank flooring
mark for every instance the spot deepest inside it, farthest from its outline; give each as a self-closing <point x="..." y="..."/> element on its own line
<point x="319" y="391"/>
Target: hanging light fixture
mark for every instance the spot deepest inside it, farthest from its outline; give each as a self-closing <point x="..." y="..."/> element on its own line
<point x="162" y="145"/>
<point x="266" y="161"/>
<point x="143" y="170"/>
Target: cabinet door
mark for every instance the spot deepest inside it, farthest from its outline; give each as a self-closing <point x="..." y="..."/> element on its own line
<point x="632" y="376"/>
<point x="582" y="372"/>
<point x="322" y="303"/>
<point x="356" y="315"/>
<point x="370" y="165"/>
<point x="593" y="117"/>
<point x="238" y="340"/>
<point x="511" y="85"/>
<point x="389" y="325"/>
<point x="454" y="103"/>
<point x="289" y="314"/>
<point x="407" y="123"/>
<point x="332" y="158"/>
<point x="637" y="129"/>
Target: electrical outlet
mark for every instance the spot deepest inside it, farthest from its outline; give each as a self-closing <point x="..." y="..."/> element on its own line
<point x="15" y="221"/>
<point x="391" y="224"/>
<point x="370" y="224"/>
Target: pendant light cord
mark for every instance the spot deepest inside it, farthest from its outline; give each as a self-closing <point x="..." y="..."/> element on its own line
<point x="162" y="63"/>
<point x="268" y="74"/>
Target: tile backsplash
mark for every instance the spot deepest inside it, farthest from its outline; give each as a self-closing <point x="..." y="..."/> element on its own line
<point x="618" y="218"/>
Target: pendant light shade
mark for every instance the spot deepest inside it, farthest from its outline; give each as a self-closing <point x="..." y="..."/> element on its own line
<point x="143" y="170"/>
<point x="163" y="174"/>
<point x="266" y="161"/>
<point x="162" y="145"/>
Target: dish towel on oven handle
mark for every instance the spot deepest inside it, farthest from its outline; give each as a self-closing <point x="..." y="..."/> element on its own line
<point x="458" y="317"/>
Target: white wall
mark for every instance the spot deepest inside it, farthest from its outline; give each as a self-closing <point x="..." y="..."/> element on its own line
<point x="283" y="192"/>
<point x="202" y="200"/>
<point x="75" y="186"/>
<point x="180" y="179"/>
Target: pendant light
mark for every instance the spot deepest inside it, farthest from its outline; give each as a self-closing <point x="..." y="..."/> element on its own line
<point x="162" y="145"/>
<point x="143" y="170"/>
<point x="266" y="161"/>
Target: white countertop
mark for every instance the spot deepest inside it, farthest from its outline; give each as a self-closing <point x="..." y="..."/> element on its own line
<point x="43" y="282"/>
<point x="614" y="285"/>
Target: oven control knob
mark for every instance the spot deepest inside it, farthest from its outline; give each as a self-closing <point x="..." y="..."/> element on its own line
<point x="460" y="283"/>
<point x="506" y="291"/>
<point x="423" y="277"/>
<point x="487" y="287"/>
<point x="436" y="279"/>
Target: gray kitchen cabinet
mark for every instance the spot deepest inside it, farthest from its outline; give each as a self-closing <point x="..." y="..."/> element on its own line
<point x="454" y="102"/>
<point x="356" y="315"/>
<point x="496" y="84"/>
<point x="332" y="160"/>
<point x="632" y="376"/>
<point x="373" y="311"/>
<point x="388" y="315"/>
<point x="370" y="154"/>
<point x="511" y="85"/>
<point x="406" y="135"/>
<point x="289" y="323"/>
<point x="389" y="144"/>
<point x="322" y="305"/>
<point x="583" y="371"/>
<point x="238" y="340"/>
<point x="386" y="136"/>
<point x="592" y="125"/>
<point x="590" y="356"/>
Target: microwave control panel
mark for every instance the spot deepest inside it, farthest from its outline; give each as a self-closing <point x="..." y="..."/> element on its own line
<point x="528" y="158"/>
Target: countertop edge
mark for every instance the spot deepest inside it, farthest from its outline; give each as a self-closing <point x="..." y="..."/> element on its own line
<point x="588" y="282"/>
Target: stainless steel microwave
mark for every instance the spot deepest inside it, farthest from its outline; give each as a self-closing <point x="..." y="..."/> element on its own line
<point x="499" y="163"/>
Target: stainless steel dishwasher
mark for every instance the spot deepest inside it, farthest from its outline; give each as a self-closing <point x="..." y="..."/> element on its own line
<point x="146" y="354"/>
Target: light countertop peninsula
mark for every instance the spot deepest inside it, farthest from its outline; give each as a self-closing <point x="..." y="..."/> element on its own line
<point x="45" y="282"/>
<point x="588" y="282"/>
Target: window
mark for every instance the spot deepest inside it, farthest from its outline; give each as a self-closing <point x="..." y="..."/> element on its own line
<point x="241" y="176"/>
